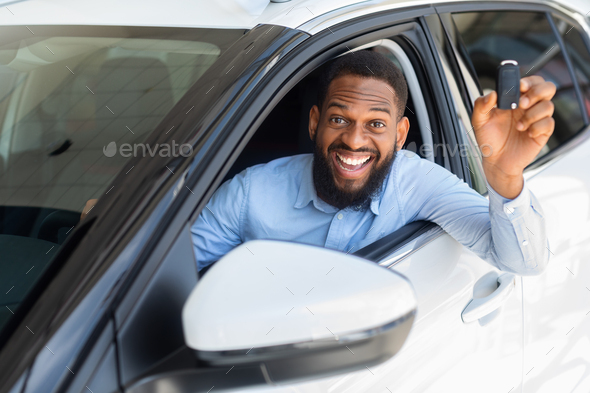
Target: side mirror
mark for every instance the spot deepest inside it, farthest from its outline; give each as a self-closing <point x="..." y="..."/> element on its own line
<point x="298" y="311"/>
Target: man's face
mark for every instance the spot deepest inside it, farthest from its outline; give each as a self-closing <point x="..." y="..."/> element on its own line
<point x="356" y="136"/>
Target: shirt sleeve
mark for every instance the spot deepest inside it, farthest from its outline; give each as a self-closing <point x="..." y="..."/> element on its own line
<point x="217" y="230"/>
<point x="508" y="234"/>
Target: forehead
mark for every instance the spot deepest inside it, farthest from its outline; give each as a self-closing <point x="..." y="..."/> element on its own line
<point x="357" y="89"/>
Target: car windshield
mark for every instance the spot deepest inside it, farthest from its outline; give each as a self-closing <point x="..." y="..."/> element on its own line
<point x="66" y="93"/>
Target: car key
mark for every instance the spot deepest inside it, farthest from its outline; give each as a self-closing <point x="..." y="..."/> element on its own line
<point x="508" y="85"/>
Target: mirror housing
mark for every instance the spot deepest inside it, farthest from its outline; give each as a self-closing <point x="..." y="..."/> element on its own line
<point x="298" y="310"/>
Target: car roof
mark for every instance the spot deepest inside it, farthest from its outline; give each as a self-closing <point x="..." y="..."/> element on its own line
<point x="177" y="13"/>
<point x="204" y="13"/>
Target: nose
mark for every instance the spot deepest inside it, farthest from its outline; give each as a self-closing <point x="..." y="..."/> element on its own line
<point x="355" y="136"/>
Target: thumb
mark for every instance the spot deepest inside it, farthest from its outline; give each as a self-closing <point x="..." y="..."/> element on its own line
<point x="482" y="109"/>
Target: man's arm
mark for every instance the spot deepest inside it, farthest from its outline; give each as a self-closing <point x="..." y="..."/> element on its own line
<point x="510" y="233"/>
<point x="217" y="230"/>
<point x="507" y="233"/>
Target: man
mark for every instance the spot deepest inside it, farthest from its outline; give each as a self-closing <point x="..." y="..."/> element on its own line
<point x="355" y="189"/>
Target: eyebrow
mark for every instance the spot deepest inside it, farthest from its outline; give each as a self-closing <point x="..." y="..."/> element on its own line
<point x="344" y="107"/>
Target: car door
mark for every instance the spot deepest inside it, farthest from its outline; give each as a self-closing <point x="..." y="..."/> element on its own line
<point x="555" y="45"/>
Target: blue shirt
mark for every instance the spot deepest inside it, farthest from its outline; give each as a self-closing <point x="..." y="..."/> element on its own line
<point x="278" y="201"/>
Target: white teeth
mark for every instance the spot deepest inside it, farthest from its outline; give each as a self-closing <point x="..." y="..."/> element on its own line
<point x="351" y="161"/>
<point x="349" y="170"/>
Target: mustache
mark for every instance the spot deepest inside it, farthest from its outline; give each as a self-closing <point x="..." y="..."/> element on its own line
<point x="344" y="146"/>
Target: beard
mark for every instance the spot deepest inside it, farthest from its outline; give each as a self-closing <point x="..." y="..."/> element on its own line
<point x="342" y="198"/>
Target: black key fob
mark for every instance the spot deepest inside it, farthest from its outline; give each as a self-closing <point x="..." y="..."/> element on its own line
<point x="508" y="85"/>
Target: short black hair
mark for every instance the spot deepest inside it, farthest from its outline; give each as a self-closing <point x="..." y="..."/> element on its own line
<point x="366" y="64"/>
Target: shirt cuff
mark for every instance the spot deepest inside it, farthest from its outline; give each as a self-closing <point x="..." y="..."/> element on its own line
<point x="510" y="208"/>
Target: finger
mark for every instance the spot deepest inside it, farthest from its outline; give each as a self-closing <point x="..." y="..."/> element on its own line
<point x="538" y="112"/>
<point x="482" y="108"/>
<point x="538" y="92"/>
<point x="542" y="130"/>
<point x="529" y="81"/>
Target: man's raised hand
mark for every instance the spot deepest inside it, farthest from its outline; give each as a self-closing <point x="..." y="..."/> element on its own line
<point x="511" y="138"/>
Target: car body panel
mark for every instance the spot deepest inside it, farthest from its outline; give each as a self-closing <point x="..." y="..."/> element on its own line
<point x="452" y="355"/>
<point x="554" y="301"/>
<point x="305" y="15"/>
<point x="175" y="13"/>
<point x="556" y="307"/>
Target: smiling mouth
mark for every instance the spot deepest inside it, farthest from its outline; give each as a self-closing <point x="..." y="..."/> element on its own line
<point x="352" y="165"/>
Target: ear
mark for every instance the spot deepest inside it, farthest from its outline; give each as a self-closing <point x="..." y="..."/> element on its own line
<point x="314" y="120"/>
<point x="403" y="126"/>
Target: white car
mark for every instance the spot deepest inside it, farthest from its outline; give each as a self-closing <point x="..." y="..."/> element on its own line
<point x="92" y="92"/>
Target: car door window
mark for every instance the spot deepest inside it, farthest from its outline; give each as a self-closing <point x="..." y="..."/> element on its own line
<point x="527" y="37"/>
<point x="69" y="97"/>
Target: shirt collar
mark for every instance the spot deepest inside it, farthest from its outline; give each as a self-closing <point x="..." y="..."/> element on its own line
<point x="307" y="193"/>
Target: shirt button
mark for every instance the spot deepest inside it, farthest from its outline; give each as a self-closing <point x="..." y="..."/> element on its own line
<point x="340" y="216"/>
<point x="525" y="242"/>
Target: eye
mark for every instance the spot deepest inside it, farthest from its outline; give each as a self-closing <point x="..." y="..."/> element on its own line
<point x="377" y="124"/>
<point x="338" y="120"/>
